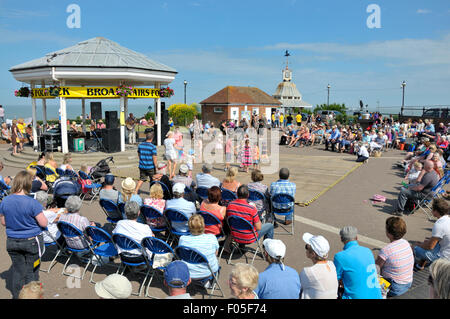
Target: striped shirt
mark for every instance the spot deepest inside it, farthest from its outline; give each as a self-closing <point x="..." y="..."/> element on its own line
<point x="241" y="208"/>
<point x="79" y="222"/>
<point x="398" y="261"/>
<point x="146" y="152"/>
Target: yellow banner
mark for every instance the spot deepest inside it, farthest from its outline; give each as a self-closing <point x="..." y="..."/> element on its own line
<point x="94" y="93"/>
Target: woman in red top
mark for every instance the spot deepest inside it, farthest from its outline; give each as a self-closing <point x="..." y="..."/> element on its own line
<point x="211" y="205"/>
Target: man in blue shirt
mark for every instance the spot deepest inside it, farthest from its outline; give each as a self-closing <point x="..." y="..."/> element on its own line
<point x="333" y="139"/>
<point x="278" y="281"/>
<point x="180" y="204"/>
<point x="355" y="268"/>
<point x="147" y="160"/>
<point x="205" y="179"/>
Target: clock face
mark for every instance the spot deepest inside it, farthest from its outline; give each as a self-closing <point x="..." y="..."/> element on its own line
<point x="287" y="74"/>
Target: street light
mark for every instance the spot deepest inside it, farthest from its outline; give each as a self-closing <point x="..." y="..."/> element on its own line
<point x="328" y="100"/>
<point x="185" y="84"/>
<point x="403" y="96"/>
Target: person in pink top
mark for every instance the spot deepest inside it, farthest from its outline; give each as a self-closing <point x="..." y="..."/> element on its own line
<point x="156" y="201"/>
<point x="396" y="260"/>
<point x="178" y="136"/>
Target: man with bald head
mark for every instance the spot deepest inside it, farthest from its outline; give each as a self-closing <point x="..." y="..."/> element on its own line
<point x="419" y="190"/>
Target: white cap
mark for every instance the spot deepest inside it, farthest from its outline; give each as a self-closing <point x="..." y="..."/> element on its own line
<point x="184" y="168"/>
<point x="318" y="244"/>
<point x="178" y="188"/>
<point x="275" y="248"/>
<point x="114" y="286"/>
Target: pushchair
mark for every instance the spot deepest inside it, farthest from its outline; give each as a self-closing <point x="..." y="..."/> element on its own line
<point x="101" y="169"/>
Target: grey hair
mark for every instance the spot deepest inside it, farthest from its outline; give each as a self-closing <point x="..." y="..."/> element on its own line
<point x="73" y="204"/>
<point x="42" y="198"/>
<point x="440" y="272"/>
<point x="207" y="168"/>
<point x="131" y="209"/>
<point x="348" y="233"/>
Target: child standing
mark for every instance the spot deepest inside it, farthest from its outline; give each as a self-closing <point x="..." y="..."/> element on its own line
<point x="256" y="157"/>
<point x="247" y="158"/>
<point x="190" y="160"/>
<point x="228" y="154"/>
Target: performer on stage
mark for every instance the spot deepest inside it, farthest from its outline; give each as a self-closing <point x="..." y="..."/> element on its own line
<point x="131" y="128"/>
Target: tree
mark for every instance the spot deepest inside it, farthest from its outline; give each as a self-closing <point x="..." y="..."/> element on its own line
<point x="332" y="107"/>
<point x="183" y="113"/>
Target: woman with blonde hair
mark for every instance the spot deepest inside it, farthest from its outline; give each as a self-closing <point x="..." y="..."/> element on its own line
<point x="15" y="138"/>
<point x="67" y="160"/>
<point x="230" y="181"/>
<point x="206" y="244"/>
<point x="243" y="281"/>
<point x="157" y="202"/>
<point x="128" y="192"/>
<point x="38" y="184"/>
<point x="439" y="279"/>
<point x="51" y="164"/>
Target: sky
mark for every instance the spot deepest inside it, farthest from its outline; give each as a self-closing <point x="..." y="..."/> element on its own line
<point x="213" y="43"/>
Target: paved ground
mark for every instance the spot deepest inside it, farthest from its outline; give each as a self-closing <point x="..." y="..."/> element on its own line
<point x="347" y="203"/>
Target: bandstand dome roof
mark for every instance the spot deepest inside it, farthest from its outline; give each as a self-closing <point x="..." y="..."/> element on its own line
<point x="97" y="61"/>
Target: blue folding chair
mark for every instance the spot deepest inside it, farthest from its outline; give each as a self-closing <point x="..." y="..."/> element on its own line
<point x="211" y="220"/>
<point x="49" y="172"/>
<point x="174" y="215"/>
<point x="193" y="256"/>
<point x="227" y="196"/>
<point x="156" y="247"/>
<point x="152" y="213"/>
<point x="255" y="196"/>
<point x="94" y="188"/>
<point x="101" y="245"/>
<point x="60" y="171"/>
<point x="130" y="260"/>
<point x="425" y="204"/>
<point x="70" y="231"/>
<point x="202" y="192"/>
<point x="112" y="211"/>
<point x="238" y="224"/>
<point x="71" y="174"/>
<point x="54" y="243"/>
<point x="284" y="199"/>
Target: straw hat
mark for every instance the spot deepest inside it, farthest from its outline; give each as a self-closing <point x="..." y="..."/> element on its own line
<point x="128" y="184"/>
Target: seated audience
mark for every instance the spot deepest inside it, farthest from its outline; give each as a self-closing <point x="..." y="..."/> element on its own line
<point x="211" y="205"/>
<point x="156" y="201"/>
<point x="230" y="181"/>
<point x="355" y="267"/>
<point x="6" y="181"/>
<point x="108" y="191"/>
<point x="438" y="246"/>
<point x="263" y="206"/>
<point x="320" y="280"/>
<point x="52" y="215"/>
<point x="127" y="193"/>
<point x="183" y="177"/>
<point x="439" y="279"/>
<point x="114" y="286"/>
<point x="277" y="281"/>
<point x="162" y="177"/>
<point x="205" y="179"/>
<point x="243" y="281"/>
<point x="396" y="260"/>
<point x="206" y="244"/>
<point x="333" y="138"/>
<point x="67" y="160"/>
<point x="414" y="173"/>
<point x="38" y="184"/>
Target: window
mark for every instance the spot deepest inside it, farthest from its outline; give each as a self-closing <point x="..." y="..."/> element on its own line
<point x="218" y="110"/>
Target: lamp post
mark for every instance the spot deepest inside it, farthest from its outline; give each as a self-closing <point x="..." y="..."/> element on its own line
<point x="328" y="99"/>
<point x="403" y="96"/>
<point x="185" y="84"/>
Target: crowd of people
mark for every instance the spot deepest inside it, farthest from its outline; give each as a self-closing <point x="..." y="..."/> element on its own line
<point x="351" y="274"/>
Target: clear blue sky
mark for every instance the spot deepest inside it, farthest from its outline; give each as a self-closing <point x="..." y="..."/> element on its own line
<point x="214" y="43"/>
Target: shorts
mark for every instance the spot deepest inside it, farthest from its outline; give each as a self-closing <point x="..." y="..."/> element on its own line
<point x="227" y="157"/>
<point x="144" y="173"/>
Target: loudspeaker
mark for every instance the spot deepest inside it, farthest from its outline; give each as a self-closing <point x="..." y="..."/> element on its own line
<point x="111" y="119"/>
<point x="111" y="140"/>
<point x="96" y="111"/>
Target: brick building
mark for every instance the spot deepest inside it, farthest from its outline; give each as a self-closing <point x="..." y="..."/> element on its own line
<point x="237" y="102"/>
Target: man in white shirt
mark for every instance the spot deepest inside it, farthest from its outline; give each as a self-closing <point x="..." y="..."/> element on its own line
<point x="363" y="153"/>
<point x="180" y="204"/>
<point x="438" y="246"/>
<point x="131" y="228"/>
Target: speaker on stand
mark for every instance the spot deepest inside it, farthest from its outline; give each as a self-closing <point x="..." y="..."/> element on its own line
<point x="111" y="139"/>
<point x="111" y="120"/>
<point x="96" y="111"/>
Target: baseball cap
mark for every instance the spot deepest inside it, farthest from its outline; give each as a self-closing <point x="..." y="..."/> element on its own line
<point x="177" y="274"/>
<point x="184" y="168"/>
<point x="318" y="244"/>
<point x="114" y="286"/>
<point x="178" y="188"/>
<point x="275" y="248"/>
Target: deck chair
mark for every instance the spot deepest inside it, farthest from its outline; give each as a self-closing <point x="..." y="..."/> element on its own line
<point x="211" y="220"/>
<point x="101" y="245"/>
<point x="173" y="215"/>
<point x="112" y="211"/>
<point x="156" y="247"/>
<point x="131" y="261"/>
<point x="426" y="202"/>
<point x="193" y="256"/>
<point x="227" y="196"/>
<point x="284" y="199"/>
<point x="239" y="224"/>
<point x="70" y="231"/>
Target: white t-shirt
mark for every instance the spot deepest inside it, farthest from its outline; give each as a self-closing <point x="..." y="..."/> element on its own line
<point x="169" y="144"/>
<point x="134" y="230"/>
<point x="441" y="229"/>
<point x="319" y="281"/>
<point x="52" y="228"/>
<point x="363" y="151"/>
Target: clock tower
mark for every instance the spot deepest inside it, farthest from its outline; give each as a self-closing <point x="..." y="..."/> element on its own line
<point x="287" y="74"/>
